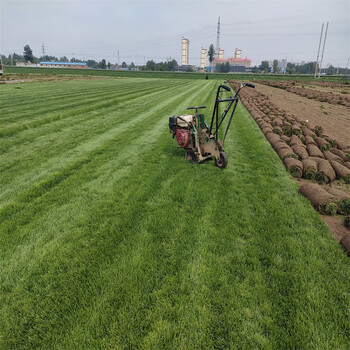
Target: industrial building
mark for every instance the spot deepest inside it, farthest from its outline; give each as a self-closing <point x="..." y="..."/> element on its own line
<point x="185" y="51"/>
<point x="237" y="63"/>
<point x="81" y="65"/>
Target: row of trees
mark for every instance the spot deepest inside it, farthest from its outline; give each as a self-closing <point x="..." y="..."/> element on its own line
<point x="264" y="67"/>
<point x="291" y="68"/>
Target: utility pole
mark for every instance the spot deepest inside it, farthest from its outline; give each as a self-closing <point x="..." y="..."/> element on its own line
<point x="347" y="65"/>
<point x="43" y="49"/>
<point x="218" y="39"/>
<point x="118" y="58"/>
<point x="318" y="52"/>
<point x="324" y="44"/>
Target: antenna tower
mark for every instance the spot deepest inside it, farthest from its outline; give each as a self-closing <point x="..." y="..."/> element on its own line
<point x="218" y="40"/>
<point x="43" y="49"/>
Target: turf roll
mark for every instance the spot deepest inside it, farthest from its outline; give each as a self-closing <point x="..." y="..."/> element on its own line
<point x="342" y="171"/>
<point x="294" y="167"/>
<point x="300" y="151"/>
<point x="308" y="132"/>
<point x="322" y="144"/>
<point x="331" y="156"/>
<point x="284" y="153"/>
<point x="343" y="200"/>
<point x="319" y="198"/>
<point x="273" y="138"/>
<point x="277" y="130"/>
<point x="278" y="122"/>
<point x="287" y="130"/>
<point x="266" y="130"/>
<point x="296" y="129"/>
<point x="286" y="139"/>
<point x="347" y="164"/>
<point x="345" y="241"/>
<point x="309" y="169"/>
<point x="347" y="222"/>
<point x="318" y="129"/>
<point x="339" y="153"/>
<point x="326" y="173"/>
<point x="295" y="141"/>
<point x="314" y="151"/>
<point x="341" y="145"/>
<point x="311" y="125"/>
<point x="310" y="141"/>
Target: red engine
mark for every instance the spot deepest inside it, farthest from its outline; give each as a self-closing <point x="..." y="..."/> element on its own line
<point x="183" y="137"/>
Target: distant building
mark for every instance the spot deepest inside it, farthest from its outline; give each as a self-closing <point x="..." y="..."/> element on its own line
<point x="238" y="53"/>
<point x="26" y="64"/>
<point x="185" y="51"/>
<point x="221" y="54"/>
<point x="204" y="55"/>
<point x="81" y="65"/>
<point x="244" y="62"/>
<point x="185" y="68"/>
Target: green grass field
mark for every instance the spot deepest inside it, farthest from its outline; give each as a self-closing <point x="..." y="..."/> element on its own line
<point x="110" y="239"/>
<point x="169" y="75"/>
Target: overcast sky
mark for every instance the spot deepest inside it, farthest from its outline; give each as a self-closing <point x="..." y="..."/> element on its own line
<point x="143" y="30"/>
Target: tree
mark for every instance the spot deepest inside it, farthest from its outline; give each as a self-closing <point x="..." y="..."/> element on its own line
<point x="172" y="64"/>
<point x="211" y="54"/>
<point x="103" y="64"/>
<point x="264" y="67"/>
<point x="330" y="70"/>
<point x="227" y="67"/>
<point x="132" y="65"/>
<point x="151" y="65"/>
<point x="109" y="65"/>
<point x="91" y="63"/>
<point x="291" y="68"/>
<point x="275" y="66"/>
<point x="28" y="54"/>
<point x="124" y="65"/>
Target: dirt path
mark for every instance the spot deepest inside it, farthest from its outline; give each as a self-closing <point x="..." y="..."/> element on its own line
<point x="334" y="118"/>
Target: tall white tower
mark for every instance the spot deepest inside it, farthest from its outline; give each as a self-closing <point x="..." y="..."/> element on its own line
<point x="221" y="54"/>
<point x="204" y="55"/>
<point x="185" y="51"/>
<point x="238" y="53"/>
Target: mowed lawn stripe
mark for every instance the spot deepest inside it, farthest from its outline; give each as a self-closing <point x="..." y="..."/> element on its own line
<point x="29" y="97"/>
<point x="70" y="147"/>
<point x="81" y="107"/>
<point x="57" y="123"/>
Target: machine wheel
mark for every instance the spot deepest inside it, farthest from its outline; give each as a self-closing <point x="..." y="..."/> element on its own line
<point x="191" y="157"/>
<point x="223" y="160"/>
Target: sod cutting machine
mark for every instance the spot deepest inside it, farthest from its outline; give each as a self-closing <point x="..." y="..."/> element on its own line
<point x="200" y="141"/>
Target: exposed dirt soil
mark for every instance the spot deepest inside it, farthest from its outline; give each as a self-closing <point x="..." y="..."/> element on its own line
<point x="335" y="118"/>
<point x="30" y="78"/>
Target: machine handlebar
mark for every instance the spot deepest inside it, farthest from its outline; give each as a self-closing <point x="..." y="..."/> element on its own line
<point x="196" y="107"/>
<point x="225" y="87"/>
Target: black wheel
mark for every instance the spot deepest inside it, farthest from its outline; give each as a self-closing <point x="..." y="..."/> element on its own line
<point x="191" y="157"/>
<point x="223" y="160"/>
